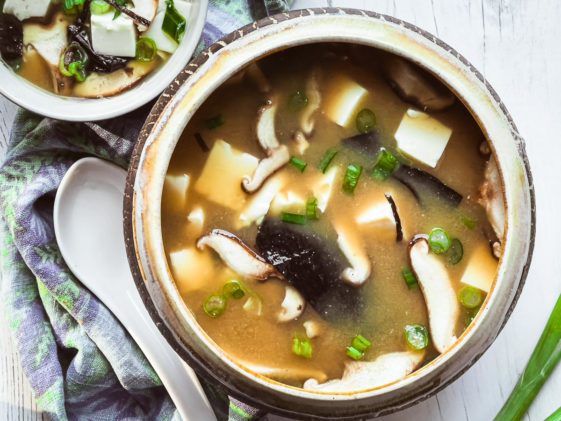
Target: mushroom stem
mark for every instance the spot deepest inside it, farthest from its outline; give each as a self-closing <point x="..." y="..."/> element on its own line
<point x="307" y="122"/>
<point x="351" y="246"/>
<point x="292" y="306"/>
<point x="265" y="168"/>
<point x="492" y="199"/>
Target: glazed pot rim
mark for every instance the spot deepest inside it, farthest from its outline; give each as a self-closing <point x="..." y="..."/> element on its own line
<point x="166" y="107"/>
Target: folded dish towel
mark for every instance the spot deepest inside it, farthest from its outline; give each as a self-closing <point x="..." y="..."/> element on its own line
<point x="78" y="359"/>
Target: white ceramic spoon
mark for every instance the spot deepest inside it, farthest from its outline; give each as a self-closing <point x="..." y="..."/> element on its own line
<point x="89" y="230"/>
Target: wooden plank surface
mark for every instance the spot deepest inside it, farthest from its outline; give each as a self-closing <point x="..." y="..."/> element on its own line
<point x="515" y="44"/>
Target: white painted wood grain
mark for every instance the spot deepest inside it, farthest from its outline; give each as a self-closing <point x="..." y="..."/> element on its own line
<point x="515" y="44"/>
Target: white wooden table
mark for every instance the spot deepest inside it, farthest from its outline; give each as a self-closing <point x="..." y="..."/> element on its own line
<point x="515" y="44"/>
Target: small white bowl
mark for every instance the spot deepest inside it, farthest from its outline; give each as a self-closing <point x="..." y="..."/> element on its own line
<point x="40" y="101"/>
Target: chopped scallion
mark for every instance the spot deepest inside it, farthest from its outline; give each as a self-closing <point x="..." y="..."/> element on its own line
<point x="416" y="336"/>
<point x="298" y="163"/>
<point x="365" y="120"/>
<point x="302" y="347"/>
<point x="439" y="241"/>
<point x="73" y="62"/>
<point x="233" y="289"/>
<point x="72" y="7"/>
<point x="386" y="164"/>
<point x="361" y="343"/>
<point x="99" y="7"/>
<point x="470" y="297"/>
<point x="352" y="176"/>
<point x="174" y="23"/>
<point x="312" y="208"/>
<point x="354" y="353"/>
<point x="146" y="49"/>
<point x="294" y="218"/>
<point x="215" y="305"/>
<point x="326" y="159"/>
<point x="456" y="252"/>
<point x="214" y="122"/>
<point x="409" y="278"/>
<point x="297" y="101"/>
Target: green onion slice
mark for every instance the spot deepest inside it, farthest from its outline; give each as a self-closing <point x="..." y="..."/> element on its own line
<point x="354" y="353"/>
<point x="456" y="252"/>
<point x="146" y="49"/>
<point x="297" y="101"/>
<point x="294" y="218"/>
<point x="233" y="289"/>
<point x="73" y="62"/>
<point x="174" y="23"/>
<point x="312" y="211"/>
<point x="302" y="347"/>
<point x="298" y="163"/>
<point x="326" y="160"/>
<point x="365" y="120"/>
<point x="214" y="122"/>
<point x="409" y="278"/>
<point x="470" y="297"/>
<point x="416" y="336"/>
<point x="439" y="241"/>
<point x="352" y="176"/>
<point x="99" y="7"/>
<point x="72" y="7"/>
<point x="361" y="343"/>
<point x="215" y="305"/>
<point x="386" y="164"/>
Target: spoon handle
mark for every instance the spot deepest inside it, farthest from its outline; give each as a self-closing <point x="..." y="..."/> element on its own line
<point x="177" y="377"/>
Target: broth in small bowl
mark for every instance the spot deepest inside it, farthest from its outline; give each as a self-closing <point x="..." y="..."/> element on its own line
<point x="325" y="229"/>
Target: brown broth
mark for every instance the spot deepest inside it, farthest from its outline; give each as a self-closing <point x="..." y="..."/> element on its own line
<point x="391" y="304"/>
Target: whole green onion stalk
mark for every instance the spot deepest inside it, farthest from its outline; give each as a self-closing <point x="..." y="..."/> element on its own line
<point x="556" y="416"/>
<point x="543" y="360"/>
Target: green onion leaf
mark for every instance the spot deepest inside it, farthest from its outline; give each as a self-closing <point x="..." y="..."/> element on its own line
<point x="439" y="241"/>
<point x="233" y="289"/>
<point x="99" y="7"/>
<point x="174" y="23"/>
<point x="302" y="347"/>
<point x="215" y="305"/>
<point x="298" y="163"/>
<point x="297" y="101"/>
<point x="73" y="62"/>
<point x="365" y="120"/>
<point x="354" y="353"/>
<point x="352" y="176"/>
<point x="72" y="7"/>
<point x="456" y="252"/>
<point x="294" y="218"/>
<point x="312" y="211"/>
<point x="469" y="223"/>
<point x="326" y="160"/>
<point x="416" y="336"/>
<point x="409" y="278"/>
<point x="361" y="344"/>
<point x="146" y="49"/>
<point x="386" y="164"/>
<point x="214" y="122"/>
<point x="470" y="297"/>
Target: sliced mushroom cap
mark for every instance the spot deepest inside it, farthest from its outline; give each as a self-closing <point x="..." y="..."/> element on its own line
<point x="292" y="306"/>
<point x="48" y="40"/>
<point x="361" y="375"/>
<point x="236" y="255"/>
<point x="415" y="86"/>
<point x="265" y="129"/>
<point x="307" y="122"/>
<point x="440" y="297"/>
<point x="285" y="374"/>
<point x="352" y="248"/>
<point x="268" y="166"/>
<point x="492" y="198"/>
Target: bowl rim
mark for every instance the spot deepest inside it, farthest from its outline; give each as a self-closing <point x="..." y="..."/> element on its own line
<point x="155" y="117"/>
<point x="31" y="97"/>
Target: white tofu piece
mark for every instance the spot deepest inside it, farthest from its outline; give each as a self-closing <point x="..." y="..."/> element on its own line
<point x="25" y="9"/>
<point x="258" y="207"/>
<point x="146" y="9"/>
<point x="342" y="99"/>
<point x="312" y="328"/>
<point x="175" y="191"/>
<point x="379" y="215"/>
<point x="481" y="269"/>
<point x="113" y="37"/>
<point x="162" y="40"/>
<point x="48" y="40"/>
<point x="288" y="201"/>
<point x="221" y="178"/>
<point x="197" y="217"/>
<point x="191" y="269"/>
<point x="422" y="137"/>
<point x="324" y="188"/>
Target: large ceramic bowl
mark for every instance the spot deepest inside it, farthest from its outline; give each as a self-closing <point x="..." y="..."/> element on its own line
<point x="178" y="104"/>
<point x="40" y="101"/>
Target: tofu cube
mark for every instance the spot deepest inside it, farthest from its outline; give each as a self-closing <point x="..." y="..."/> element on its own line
<point x="324" y="187"/>
<point x="221" y="178"/>
<point x="175" y="191"/>
<point x="197" y="217"/>
<point x="191" y="269"/>
<point x="378" y="216"/>
<point x="481" y="269"/>
<point x="288" y="201"/>
<point x="113" y="37"/>
<point x="256" y="210"/>
<point x="343" y="96"/>
<point x="422" y="137"/>
<point x="162" y="40"/>
<point x="25" y="9"/>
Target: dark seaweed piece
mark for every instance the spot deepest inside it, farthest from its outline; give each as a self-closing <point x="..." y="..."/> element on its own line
<point x="367" y="143"/>
<point x="97" y="63"/>
<point x="398" y="226"/>
<point x="11" y="37"/>
<point x="313" y="265"/>
<point x="139" y="20"/>
<point x="201" y="142"/>
<point x="416" y="180"/>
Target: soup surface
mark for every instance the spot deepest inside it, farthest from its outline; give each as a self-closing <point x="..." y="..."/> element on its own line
<point x="89" y="48"/>
<point x="365" y="246"/>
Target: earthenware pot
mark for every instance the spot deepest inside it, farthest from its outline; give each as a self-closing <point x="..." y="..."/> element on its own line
<point x="194" y="85"/>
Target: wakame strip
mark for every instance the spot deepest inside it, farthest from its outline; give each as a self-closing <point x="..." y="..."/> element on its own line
<point x="543" y="360"/>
